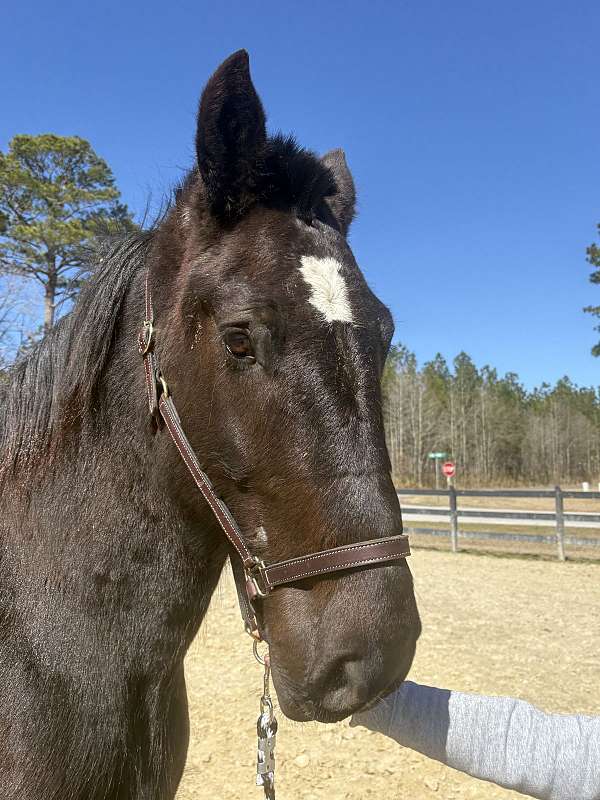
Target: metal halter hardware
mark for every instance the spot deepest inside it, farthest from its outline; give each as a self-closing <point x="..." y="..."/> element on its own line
<point x="254" y="578"/>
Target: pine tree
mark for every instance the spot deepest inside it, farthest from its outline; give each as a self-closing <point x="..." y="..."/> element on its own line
<point x="56" y="195"/>
<point x="593" y="258"/>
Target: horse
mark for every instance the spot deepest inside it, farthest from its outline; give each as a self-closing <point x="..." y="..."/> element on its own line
<point x="274" y="347"/>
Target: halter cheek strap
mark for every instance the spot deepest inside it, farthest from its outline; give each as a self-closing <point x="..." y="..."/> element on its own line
<point x="254" y="578"/>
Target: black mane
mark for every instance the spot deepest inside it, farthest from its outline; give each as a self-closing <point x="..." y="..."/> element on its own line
<point x="63" y="369"/>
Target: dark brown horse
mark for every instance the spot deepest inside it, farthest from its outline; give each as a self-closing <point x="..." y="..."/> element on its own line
<point x="274" y="347"/>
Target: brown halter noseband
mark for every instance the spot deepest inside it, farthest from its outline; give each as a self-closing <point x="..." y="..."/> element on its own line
<point x="254" y="578"/>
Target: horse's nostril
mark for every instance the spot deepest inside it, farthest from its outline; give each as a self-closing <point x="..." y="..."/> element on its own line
<point x="339" y="674"/>
<point x="343" y="687"/>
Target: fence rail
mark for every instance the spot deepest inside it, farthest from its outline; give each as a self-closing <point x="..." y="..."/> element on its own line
<point x="511" y="537"/>
<point x="503" y="493"/>
<point x="558" y="517"/>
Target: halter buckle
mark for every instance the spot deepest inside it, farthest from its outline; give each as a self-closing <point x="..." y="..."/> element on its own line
<point x="256" y="584"/>
<point x="161" y="385"/>
<point x="146" y="337"/>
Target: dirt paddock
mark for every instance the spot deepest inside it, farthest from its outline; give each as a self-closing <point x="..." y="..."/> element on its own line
<point x="490" y="625"/>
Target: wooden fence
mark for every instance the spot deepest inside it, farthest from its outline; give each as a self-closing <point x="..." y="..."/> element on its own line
<point x="556" y="518"/>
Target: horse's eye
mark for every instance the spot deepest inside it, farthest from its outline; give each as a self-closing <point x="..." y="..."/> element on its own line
<point x="238" y="345"/>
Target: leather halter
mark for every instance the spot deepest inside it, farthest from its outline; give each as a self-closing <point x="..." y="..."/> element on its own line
<point x="254" y="578"/>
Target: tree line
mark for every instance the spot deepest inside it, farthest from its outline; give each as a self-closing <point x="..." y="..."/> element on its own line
<point x="495" y="430"/>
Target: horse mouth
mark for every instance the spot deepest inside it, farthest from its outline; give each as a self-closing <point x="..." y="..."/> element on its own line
<point x="340" y="702"/>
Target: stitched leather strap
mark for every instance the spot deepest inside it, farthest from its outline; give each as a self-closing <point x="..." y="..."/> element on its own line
<point x="254" y="579"/>
<point x="217" y="506"/>
<point x="146" y="349"/>
<point x="347" y="556"/>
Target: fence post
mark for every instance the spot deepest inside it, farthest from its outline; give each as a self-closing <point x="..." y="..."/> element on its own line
<point x="560" y="524"/>
<point x="453" y="519"/>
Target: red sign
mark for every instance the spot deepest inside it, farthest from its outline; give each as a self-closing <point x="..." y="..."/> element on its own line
<point x="449" y="469"/>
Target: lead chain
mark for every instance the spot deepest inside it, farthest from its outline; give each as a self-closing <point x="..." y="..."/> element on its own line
<point x="266" y="729"/>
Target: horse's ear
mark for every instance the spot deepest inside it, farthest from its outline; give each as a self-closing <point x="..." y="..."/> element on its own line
<point x="231" y="136"/>
<point x="341" y="203"/>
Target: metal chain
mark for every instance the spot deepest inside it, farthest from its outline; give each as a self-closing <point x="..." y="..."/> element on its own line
<point x="266" y="729"/>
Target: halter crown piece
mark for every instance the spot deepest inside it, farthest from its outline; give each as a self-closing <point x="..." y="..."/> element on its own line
<point x="254" y="579"/>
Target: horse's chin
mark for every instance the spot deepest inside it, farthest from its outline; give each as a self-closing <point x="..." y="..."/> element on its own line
<point x="309" y="711"/>
<point x="333" y="707"/>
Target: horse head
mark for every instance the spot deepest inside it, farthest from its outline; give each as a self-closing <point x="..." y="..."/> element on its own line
<point x="274" y="346"/>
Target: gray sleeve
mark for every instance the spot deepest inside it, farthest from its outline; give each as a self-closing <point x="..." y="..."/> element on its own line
<point x="498" y="739"/>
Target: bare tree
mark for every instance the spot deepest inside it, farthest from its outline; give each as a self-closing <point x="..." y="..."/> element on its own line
<point x="14" y="320"/>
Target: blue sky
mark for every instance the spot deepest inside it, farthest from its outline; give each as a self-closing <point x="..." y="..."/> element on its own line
<point x="472" y="130"/>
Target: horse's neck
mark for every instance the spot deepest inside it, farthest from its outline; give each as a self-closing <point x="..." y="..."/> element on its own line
<point x="99" y="534"/>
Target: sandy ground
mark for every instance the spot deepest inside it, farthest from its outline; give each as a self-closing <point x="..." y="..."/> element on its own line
<point x="492" y="625"/>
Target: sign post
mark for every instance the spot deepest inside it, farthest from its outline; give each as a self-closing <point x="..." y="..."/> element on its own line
<point x="438" y="457"/>
<point x="449" y="470"/>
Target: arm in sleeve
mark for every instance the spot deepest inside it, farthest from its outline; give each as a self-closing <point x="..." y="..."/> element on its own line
<point x="498" y="739"/>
